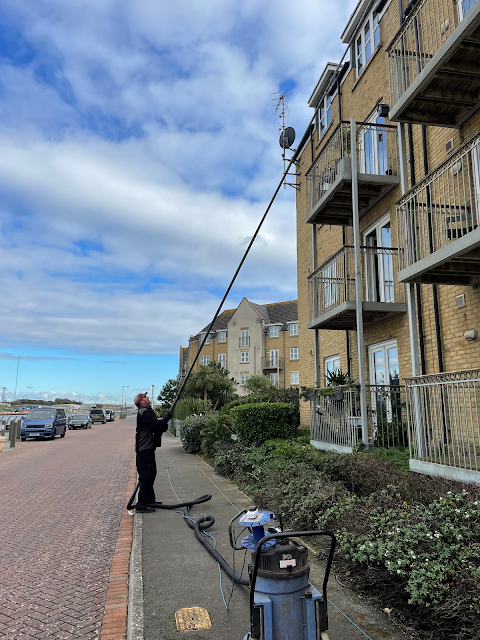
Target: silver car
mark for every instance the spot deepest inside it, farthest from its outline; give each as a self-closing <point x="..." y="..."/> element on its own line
<point x="80" y="421"/>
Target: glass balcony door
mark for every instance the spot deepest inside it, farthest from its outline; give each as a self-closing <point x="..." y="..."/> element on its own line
<point x="384" y="370"/>
<point x="379" y="264"/>
<point x="274" y="357"/>
<point x="464" y="7"/>
<point x="373" y="148"/>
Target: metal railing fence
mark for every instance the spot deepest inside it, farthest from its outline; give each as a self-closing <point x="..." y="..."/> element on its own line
<point x="272" y="363"/>
<point x="421" y="35"/>
<point x="376" y="150"/>
<point x="441" y="208"/>
<point x="333" y="282"/>
<point x="444" y="418"/>
<point x="336" y="416"/>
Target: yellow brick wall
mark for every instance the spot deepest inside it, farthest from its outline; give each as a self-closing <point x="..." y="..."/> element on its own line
<point x="359" y="97"/>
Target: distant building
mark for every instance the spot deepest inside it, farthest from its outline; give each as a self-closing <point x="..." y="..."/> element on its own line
<point x="251" y="339"/>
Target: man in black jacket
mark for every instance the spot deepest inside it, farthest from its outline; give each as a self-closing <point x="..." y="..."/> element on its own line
<point x="148" y="436"/>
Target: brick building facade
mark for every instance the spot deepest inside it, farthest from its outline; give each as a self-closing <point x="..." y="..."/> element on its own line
<point x="387" y="211"/>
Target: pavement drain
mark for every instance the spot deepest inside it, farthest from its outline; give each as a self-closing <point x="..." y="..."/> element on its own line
<point x="192" y="618"/>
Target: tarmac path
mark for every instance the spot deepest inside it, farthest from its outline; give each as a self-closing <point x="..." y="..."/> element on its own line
<point x="59" y="523"/>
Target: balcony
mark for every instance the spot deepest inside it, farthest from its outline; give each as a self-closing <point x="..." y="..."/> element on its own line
<point x="438" y="222"/>
<point x="444" y="424"/>
<point x="329" y="180"/>
<point x="332" y="289"/>
<point x="272" y="363"/>
<point x="336" y="420"/>
<point x="434" y="64"/>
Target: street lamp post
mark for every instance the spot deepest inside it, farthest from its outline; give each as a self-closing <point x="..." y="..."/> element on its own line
<point x="125" y="386"/>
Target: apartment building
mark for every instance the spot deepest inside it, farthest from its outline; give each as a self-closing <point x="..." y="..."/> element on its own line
<point x="388" y="201"/>
<point x="251" y="339"/>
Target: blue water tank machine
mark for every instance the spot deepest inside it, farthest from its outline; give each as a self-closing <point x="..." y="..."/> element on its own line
<point x="283" y="604"/>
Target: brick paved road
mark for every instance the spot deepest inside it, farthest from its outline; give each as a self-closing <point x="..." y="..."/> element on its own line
<point x="61" y="508"/>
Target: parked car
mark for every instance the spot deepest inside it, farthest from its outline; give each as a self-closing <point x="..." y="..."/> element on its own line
<point x="110" y="415"/>
<point x="98" y="415"/>
<point x="80" y="420"/>
<point x="44" y="422"/>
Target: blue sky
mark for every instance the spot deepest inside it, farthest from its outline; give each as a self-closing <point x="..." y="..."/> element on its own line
<point x="139" y="150"/>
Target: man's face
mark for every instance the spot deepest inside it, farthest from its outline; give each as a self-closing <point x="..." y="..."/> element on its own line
<point x="145" y="401"/>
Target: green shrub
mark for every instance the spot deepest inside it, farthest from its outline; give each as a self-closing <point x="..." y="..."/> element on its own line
<point x="191" y="433"/>
<point x="218" y="429"/>
<point x="262" y="397"/>
<point x="263" y="421"/>
<point x="190" y="406"/>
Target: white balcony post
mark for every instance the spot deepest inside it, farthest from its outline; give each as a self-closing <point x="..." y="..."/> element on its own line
<point x="419" y="436"/>
<point x="315" y="303"/>
<point x="358" y="282"/>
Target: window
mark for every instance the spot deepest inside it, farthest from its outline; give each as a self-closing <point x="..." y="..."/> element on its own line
<point x="222" y="360"/>
<point x="367" y="41"/>
<point x="244" y="338"/>
<point x="244" y="356"/>
<point x="373" y="148"/>
<point x="464" y="7"/>
<point x="329" y="278"/>
<point x="293" y="328"/>
<point x="222" y="336"/>
<point x="332" y="364"/>
<point x="204" y="359"/>
<point x="294" y="353"/>
<point x="275" y="379"/>
<point x="207" y="341"/>
<point x="274" y="331"/>
<point x="379" y="263"/>
<point x="274" y="358"/>
<point x="383" y="360"/>
<point x="294" y="378"/>
<point x="243" y="378"/>
<point x="324" y="115"/>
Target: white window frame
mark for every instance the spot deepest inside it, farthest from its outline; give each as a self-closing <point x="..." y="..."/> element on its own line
<point x="332" y="360"/>
<point x="324" y="114"/>
<point x="379" y="267"/>
<point x="293" y="353"/>
<point x="297" y="377"/>
<point x="205" y="359"/>
<point x="243" y="378"/>
<point x="365" y="47"/>
<point x="372" y="349"/>
<point x="274" y="331"/>
<point x="222" y="336"/>
<point x="207" y="341"/>
<point x="222" y="360"/>
<point x="293" y="328"/>
<point x="244" y="338"/>
<point x="274" y="357"/>
<point x="461" y="8"/>
<point x="329" y="276"/>
<point x="275" y="378"/>
<point x="244" y="356"/>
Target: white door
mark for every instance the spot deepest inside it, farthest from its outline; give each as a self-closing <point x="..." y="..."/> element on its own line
<point x="274" y="357"/>
<point x="373" y="148"/>
<point x="379" y="264"/>
<point x="274" y="377"/>
<point x="384" y="370"/>
<point x="464" y="7"/>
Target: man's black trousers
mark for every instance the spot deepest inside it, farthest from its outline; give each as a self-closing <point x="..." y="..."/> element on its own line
<point x="147" y="471"/>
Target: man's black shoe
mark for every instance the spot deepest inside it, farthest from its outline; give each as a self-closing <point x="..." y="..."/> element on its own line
<point x="155" y="504"/>
<point x="145" y="510"/>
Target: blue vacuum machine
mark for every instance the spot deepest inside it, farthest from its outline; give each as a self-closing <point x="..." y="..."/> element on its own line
<point x="283" y="604"/>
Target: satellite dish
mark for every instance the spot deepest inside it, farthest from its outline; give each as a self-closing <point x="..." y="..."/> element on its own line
<point x="287" y="138"/>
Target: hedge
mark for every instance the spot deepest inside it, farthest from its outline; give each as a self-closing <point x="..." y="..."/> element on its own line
<point x="191" y="433"/>
<point x="263" y="421"/>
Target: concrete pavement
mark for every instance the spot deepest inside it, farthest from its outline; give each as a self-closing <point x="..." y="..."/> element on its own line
<point x="179" y="573"/>
<point x="62" y="505"/>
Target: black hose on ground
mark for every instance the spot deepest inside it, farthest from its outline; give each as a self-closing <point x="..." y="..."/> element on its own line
<point x="199" y="526"/>
<point x="179" y="505"/>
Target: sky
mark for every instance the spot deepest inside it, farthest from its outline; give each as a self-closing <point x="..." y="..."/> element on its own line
<point x="139" y="151"/>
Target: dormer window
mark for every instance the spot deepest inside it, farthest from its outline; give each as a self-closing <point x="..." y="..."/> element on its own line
<point x="324" y="114"/>
<point x="367" y="41"/>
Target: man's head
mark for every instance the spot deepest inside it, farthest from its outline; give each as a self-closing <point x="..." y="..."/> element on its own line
<point x="142" y="400"/>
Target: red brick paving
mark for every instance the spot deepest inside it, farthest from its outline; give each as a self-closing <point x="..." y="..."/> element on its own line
<point x="61" y="522"/>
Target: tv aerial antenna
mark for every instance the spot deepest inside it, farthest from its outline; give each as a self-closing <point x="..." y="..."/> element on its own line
<point x="287" y="134"/>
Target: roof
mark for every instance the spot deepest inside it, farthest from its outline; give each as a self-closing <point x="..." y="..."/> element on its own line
<point x="321" y="85"/>
<point x="220" y="324"/>
<point x="274" y="313"/>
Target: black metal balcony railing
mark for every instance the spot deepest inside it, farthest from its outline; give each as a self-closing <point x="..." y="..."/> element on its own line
<point x="438" y="42"/>
<point x="377" y="155"/>
<point x="440" y="216"/>
<point x="336" y="417"/>
<point x="272" y="363"/>
<point x="333" y="282"/>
